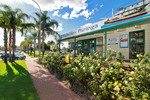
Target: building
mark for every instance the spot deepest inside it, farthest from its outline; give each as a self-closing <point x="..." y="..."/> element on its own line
<point x="128" y="32"/>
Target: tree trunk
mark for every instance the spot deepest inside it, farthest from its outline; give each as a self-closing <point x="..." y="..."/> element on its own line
<point x="43" y="37"/>
<point x="31" y="49"/>
<point x="39" y="38"/>
<point x="10" y="37"/>
<point x="34" y="46"/>
<point x="14" y="42"/>
<point x="28" y="48"/>
<point x="5" y="44"/>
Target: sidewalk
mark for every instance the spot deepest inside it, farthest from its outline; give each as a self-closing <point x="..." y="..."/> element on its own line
<point x="47" y="86"/>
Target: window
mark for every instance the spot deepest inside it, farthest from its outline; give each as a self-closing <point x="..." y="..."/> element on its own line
<point x="137" y="44"/>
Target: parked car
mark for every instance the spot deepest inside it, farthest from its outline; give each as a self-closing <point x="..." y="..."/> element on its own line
<point x="18" y="56"/>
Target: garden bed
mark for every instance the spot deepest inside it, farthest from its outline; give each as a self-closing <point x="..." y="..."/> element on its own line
<point x="94" y="77"/>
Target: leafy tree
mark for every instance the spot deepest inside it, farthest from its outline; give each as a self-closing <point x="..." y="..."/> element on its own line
<point x="5" y="25"/>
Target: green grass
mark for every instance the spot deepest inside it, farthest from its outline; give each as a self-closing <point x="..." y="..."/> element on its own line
<point x="15" y="82"/>
<point x="36" y="54"/>
<point x="32" y="55"/>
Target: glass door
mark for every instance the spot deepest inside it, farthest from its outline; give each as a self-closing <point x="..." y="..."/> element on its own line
<point x="79" y="45"/>
<point x="89" y="46"/>
<point x="92" y="49"/>
<point x="99" y="45"/>
<point x="85" y="47"/>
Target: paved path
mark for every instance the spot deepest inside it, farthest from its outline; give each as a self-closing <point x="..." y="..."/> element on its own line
<point x="47" y="86"/>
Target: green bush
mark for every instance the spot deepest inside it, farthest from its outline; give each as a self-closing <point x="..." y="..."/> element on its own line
<point x="53" y="61"/>
<point x="139" y="78"/>
<point x="108" y="76"/>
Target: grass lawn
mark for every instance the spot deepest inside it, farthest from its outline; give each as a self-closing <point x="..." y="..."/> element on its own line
<point x="36" y="54"/>
<point x="15" y="82"/>
<point x="32" y="55"/>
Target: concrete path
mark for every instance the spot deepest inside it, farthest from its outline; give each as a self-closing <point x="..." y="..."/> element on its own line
<point x="47" y="86"/>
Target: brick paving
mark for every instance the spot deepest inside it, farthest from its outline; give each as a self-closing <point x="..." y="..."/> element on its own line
<point x="47" y="86"/>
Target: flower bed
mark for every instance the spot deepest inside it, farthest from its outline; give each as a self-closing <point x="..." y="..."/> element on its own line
<point x="108" y="78"/>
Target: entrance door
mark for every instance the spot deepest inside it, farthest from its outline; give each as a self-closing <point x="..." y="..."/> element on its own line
<point x="137" y="44"/>
<point x="88" y="46"/>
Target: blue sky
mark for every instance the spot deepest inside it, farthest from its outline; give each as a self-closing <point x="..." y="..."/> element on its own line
<point x="70" y="14"/>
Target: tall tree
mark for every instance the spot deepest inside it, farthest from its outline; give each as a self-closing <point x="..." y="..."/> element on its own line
<point x="26" y="27"/>
<point x="37" y="24"/>
<point x="4" y="23"/>
<point x="17" y="18"/>
<point x="47" y="26"/>
<point x="34" y="35"/>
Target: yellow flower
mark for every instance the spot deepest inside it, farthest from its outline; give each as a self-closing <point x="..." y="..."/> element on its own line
<point x="139" y="64"/>
<point x="116" y="83"/>
<point x="130" y="78"/>
<point x="98" y="64"/>
<point x="126" y="82"/>
<point x="132" y="72"/>
<point x="117" y="88"/>
<point x="94" y="93"/>
<point x="106" y="59"/>
<point x="120" y="84"/>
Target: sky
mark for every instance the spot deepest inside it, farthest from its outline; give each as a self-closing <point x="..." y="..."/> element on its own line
<point x="70" y="14"/>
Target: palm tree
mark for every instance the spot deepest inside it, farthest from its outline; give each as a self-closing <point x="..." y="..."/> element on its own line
<point x="25" y="27"/>
<point x="46" y="27"/>
<point x="17" y="17"/>
<point x="37" y="24"/>
<point x="50" y="44"/>
<point x="34" y="35"/>
<point x="5" y="25"/>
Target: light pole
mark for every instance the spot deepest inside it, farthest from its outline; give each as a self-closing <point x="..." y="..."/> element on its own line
<point x="39" y="29"/>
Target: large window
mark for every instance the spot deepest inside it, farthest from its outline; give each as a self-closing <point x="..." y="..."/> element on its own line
<point x="137" y="44"/>
<point x="99" y="45"/>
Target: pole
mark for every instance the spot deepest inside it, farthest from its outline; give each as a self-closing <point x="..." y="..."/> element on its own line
<point x="112" y="12"/>
<point x="105" y="43"/>
<point x="39" y="29"/>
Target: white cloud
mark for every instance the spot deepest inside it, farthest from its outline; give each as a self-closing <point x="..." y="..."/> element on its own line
<point x="56" y="13"/>
<point x="59" y="27"/>
<point x="77" y="6"/>
<point x="65" y="16"/>
<point x="57" y="4"/>
<point x="101" y="5"/>
<point x="88" y="24"/>
<point x="86" y="13"/>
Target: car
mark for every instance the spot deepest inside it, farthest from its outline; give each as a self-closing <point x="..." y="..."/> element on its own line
<point x="18" y="56"/>
<point x="1" y="53"/>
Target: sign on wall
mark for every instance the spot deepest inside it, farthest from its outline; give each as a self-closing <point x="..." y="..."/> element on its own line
<point x="124" y="41"/>
<point x="83" y="30"/>
<point x="112" y="41"/>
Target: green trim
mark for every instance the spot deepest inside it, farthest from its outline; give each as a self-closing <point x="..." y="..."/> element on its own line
<point x="123" y="25"/>
<point x="136" y="42"/>
<point x="95" y="44"/>
<point x="74" y="47"/>
<point x="105" y="43"/>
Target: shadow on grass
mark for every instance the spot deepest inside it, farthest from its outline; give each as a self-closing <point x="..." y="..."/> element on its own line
<point x="16" y="84"/>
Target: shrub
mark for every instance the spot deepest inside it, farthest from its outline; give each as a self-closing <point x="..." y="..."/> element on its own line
<point x="139" y="78"/>
<point x="53" y="61"/>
